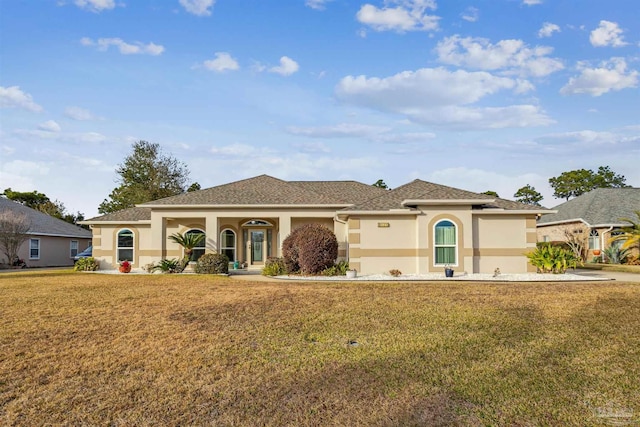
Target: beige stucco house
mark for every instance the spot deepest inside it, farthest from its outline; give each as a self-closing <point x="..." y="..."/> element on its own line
<point x="416" y="228"/>
<point x="51" y="242"/>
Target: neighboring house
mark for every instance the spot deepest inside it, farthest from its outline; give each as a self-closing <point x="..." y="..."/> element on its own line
<point x="52" y="242"/>
<point x="417" y="228"/>
<point x="597" y="213"/>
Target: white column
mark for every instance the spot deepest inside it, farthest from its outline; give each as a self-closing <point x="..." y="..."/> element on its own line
<point x="213" y="233"/>
<point x="283" y="231"/>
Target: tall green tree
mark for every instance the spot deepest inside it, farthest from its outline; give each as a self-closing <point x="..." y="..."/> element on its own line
<point x="146" y="174"/>
<point x="577" y="182"/>
<point x="41" y="202"/>
<point x="528" y="195"/>
<point x="381" y="184"/>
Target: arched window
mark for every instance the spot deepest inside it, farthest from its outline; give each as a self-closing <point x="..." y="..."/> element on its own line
<point x="125" y="245"/>
<point x="228" y="244"/>
<point x="594" y="240"/>
<point x="198" y="251"/>
<point x="445" y="243"/>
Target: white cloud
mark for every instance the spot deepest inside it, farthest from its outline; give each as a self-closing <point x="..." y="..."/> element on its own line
<point x="124" y="47"/>
<point x="198" y="7"/>
<point x="480" y="180"/>
<point x="77" y="113"/>
<point x="438" y="97"/>
<point x="408" y="15"/>
<point x="531" y="2"/>
<point x="6" y="150"/>
<point x="607" y="34"/>
<point x="49" y="126"/>
<point x="471" y="14"/>
<point x="312" y="147"/>
<point x="13" y="97"/>
<point x="548" y="29"/>
<point x="342" y="130"/>
<point x="221" y="63"/>
<point x="64" y="137"/>
<point x="96" y="6"/>
<point x="317" y="4"/>
<point x="511" y="56"/>
<point x="610" y="75"/>
<point x="287" y="67"/>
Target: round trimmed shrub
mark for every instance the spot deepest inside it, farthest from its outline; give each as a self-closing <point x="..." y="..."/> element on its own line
<point x="274" y="267"/>
<point x="212" y="264"/>
<point x="310" y="249"/>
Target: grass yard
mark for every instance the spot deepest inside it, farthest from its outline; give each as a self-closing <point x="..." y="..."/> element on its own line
<point x="124" y="350"/>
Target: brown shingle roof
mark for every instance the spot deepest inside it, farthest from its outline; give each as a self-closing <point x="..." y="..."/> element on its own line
<point x="350" y="192"/>
<point x="260" y="190"/>
<point x="126" y="215"/>
<point x="423" y="190"/>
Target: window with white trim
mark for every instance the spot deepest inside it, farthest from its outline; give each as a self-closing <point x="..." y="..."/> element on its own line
<point x="198" y="250"/>
<point x="445" y="243"/>
<point x="594" y="240"/>
<point x="34" y="248"/>
<point x="73" y="248"/>
<point x="228" y="244"/>
<point x="125" y="245"/>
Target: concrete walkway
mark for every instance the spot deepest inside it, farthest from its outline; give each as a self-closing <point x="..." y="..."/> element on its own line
<point x="615" y="275"/>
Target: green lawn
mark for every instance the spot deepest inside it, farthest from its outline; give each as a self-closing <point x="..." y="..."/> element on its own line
<point x="122" y="350"/>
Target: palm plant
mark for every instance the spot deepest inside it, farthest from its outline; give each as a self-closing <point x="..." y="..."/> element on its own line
<point x="616" y="254"/>
<point x="630" y="235"/>
<point x="188" y="241"/>
<point x="553" y="259"/>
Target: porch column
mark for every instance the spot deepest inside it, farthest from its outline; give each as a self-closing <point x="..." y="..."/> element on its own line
<point x="284" y="230"/>
<point x="158" y="249"/>
<point x="213" y="233"/>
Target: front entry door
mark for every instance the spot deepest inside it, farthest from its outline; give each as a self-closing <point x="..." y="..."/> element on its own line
<point x="257" y="247"/>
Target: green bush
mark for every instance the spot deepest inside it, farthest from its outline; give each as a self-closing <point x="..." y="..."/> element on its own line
<point x="212" y="264"/>
<point x="310" y="249"/>
<point x="167" y="266"/>
<point x="338" y="269"/>
<point x="274" y="267"/>
<point x="86" y="264"/>
<point x="553" y="259"/>
<point x="614" y="254"/>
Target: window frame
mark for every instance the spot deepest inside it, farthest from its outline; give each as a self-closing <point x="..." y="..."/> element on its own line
<point x="31" y="240"/>
<point x="436" y="245"/>
<point x="235" y="244"/>
<point x="77" y="248"/>
<point x="594" y="240"/>
<point x="202" y="248"/>
<point x="132" y="248"/>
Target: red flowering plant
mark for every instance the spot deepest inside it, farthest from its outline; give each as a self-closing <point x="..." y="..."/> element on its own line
<point x="125" y="266"/>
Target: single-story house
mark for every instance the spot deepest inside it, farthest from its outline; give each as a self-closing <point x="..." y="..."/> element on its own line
<point x="52" y="242"/>
<point x="597" y="213"/>
<point x="416" y="228"/>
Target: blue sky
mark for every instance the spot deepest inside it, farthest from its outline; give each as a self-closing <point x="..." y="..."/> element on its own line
<point x="478" y="94"/>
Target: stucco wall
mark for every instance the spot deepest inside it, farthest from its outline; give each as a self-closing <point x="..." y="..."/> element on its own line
<point x="54" y="251"/>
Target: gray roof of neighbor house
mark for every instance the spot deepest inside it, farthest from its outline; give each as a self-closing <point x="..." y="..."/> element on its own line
<point x="43" y="224"/>
<point x="423" y="190"/>
<point x="602" y="206"/>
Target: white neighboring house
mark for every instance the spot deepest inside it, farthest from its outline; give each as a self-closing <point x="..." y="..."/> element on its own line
<point x="52" y="242"/>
